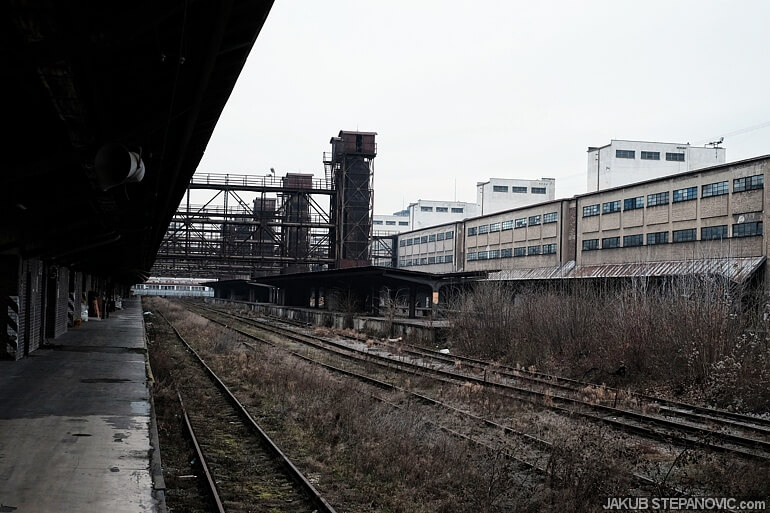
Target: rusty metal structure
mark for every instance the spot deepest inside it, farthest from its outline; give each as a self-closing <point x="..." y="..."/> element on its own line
<point x="249" y="226"/>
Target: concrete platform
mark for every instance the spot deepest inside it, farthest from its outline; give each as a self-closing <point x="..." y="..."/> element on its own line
<point x="75" y="423"/>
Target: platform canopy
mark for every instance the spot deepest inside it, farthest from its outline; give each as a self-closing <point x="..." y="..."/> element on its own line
<point x="142" y="80"/>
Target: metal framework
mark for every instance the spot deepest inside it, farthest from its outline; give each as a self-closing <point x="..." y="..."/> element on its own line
<point x="286" y="225"/>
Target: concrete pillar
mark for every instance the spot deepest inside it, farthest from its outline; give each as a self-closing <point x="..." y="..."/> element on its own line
<point x="317" y="296"/>
<point x="412" y="302"/>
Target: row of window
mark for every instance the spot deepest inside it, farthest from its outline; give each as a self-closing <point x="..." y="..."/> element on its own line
<point x="517" y="189"/>
<point x="455" y="210"/>
<point x="688" y="235"/>
<point x="440" y="259"/>
<point x="391" y="223"/>
<point x="424" y="239"/>
<point x="551" y="217"/>
<point x="168" y="287"/>
<point x="649" y="155"/>
<point x="493" y="254"/>
<point x="747" y="183"/>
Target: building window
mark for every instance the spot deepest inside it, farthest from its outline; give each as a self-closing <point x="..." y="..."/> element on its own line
<point x="472" y="256"/>
<point x="675" y="157"/>
<point x="494" y="227"/>
<point x="472" y="231"/>
<point x="714" y="189"/>
<point x="521" y="223"/>
<point x="432" y="237"/>
<point x="431" y="260"/>
<point x="625" y="154"/>
<point x="440" y="236"/>
<point x="747" y="229"/>
<point x="713" y="232"/>
<point x="403" y="223"/>
<point x="591" y="210"/>
<point x="650" y="155"/>
<point x="499" y="188"/>
<point x="484" y="228"/>
<point x="447" y="259"/>
<point x="633" y="203"/>
<point x="690" y="193"/>
<point x="533" y="250"/>
<point x="590" y="244"/>
<point x="424" y="239"/>
<point x="402" y="243"/>
<point x="611" y="206"/>
<point x="442" y="209"/>
<point x="506" y="253"/>
<point x="390" y="223"/>
<point x="549" y="249"/>
<point x="683" y="235"/>
<point x="494" y="254"/>
<point x="660" y="198"/>
<point x="377" y="222"/>
<point x="633" y="240"/>
<point x="748" y="183"/>
<point x="507" y="225"/>
<point x="550" y="217"/>
<point x="657" y="238"/>
<point x="534" y="220"/>
<point x="450" y="234"/>
<point x="538" y="190"/>
<point x="520" y="190"/>
<point x="610" y="242"/>
<point x="519" y="252"/>
<point x="457" y="210"/>
<point x="483" y="255"/>
<point x="408" y="242"/>
<point x="426" y="209"/>
<point x="424" y="261"/>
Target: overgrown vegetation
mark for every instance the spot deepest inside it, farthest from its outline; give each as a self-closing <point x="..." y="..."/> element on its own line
<point x="700" y="336"/>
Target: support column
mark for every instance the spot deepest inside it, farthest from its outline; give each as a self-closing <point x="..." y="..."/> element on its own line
<point x="412" y="302"/>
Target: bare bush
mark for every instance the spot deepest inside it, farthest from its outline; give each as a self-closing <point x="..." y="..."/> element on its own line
<point x="690" y="333"/>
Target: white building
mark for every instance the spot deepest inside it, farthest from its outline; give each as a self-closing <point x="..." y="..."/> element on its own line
<point x="397" y="222"/>
<point x="426" y="213"/>
<point x="499" y="194"/>
<point x="624" y="162"/>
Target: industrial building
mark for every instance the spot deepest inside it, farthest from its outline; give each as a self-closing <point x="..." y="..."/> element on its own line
<point x="624" y="162"/>
<point x="498" y="194"/>
<point x="697" y="218"/>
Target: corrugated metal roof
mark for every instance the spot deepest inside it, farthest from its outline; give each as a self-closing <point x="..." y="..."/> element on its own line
<point x="735" y="269"/>
<point x="541" y="273"/>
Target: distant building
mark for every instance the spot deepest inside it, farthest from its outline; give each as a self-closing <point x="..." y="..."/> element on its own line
<point x="391" y="223"/>
<point x="426" y="213"/>
<point x="499" y="194"/>
<point x="624" y="162"/>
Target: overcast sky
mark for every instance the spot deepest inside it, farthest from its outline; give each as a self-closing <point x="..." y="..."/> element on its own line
<point x="459" y="92"/>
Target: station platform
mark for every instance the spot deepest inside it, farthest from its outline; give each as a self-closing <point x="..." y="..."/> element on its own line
<point x="76" y="427"/>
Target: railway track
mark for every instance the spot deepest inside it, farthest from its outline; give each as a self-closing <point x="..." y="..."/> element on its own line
<point x="244" y="468"/>
<point x="695" y="429"/>
<point x="537" y="450"/>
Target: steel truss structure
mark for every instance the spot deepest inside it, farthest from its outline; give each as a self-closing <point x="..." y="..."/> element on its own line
<point x="292" y="223"/>
<point x="287" y="225"/>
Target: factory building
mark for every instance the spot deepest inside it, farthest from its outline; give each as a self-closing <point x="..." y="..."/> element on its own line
<point x="499" y="194"/>
<point x="624" y="162"/>
<point x="704" y="219"/>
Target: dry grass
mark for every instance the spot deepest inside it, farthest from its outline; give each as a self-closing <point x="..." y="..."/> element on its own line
<point x="695" y="336"/>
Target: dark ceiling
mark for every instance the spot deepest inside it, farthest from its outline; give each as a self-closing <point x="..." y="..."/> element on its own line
<point x="151" y="76"/>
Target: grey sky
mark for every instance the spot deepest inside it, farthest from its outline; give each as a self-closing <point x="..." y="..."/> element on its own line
<point x="464" y="91"/>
